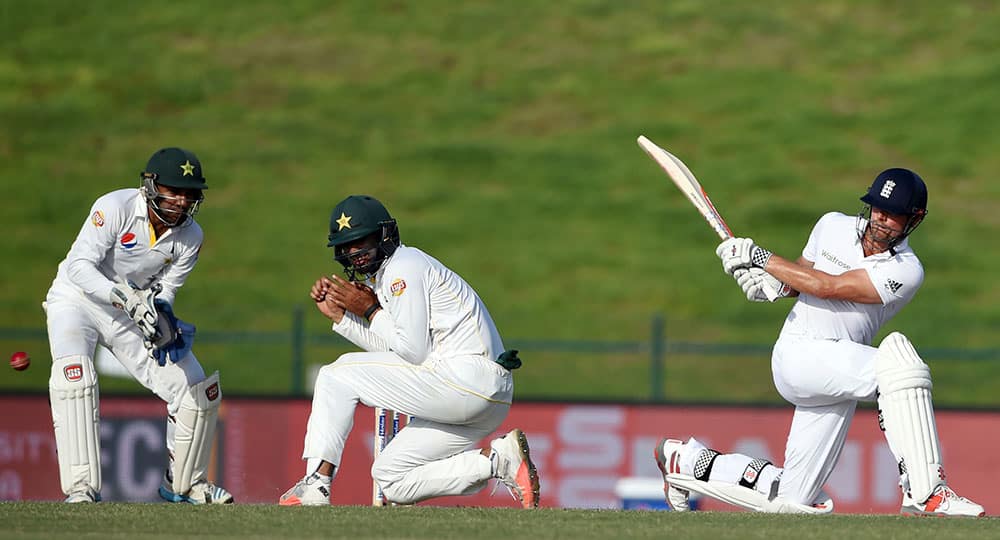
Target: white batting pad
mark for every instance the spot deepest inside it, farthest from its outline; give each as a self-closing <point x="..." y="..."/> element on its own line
<point x="744" y="497"/>
<point x="904" y="383"/>
<point x="195" y="433"/>
<point x="74" y="398"/>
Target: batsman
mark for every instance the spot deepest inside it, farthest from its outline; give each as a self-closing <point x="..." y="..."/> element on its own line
<point x="854" y="275"/>
<point x="116" y="287"/>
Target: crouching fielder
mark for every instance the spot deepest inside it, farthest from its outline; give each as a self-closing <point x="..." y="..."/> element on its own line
<point x="433" y="354"/>
<point x="116" y="288"/>
<point x="853" y="276"/>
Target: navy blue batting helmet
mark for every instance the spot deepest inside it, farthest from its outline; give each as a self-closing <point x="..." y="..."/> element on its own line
<point x="898" y="191"/>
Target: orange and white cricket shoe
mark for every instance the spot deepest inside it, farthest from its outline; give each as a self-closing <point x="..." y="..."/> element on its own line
<point x="668" y="458"/>
<point x="313" y="490"/>
<point x="943" y="502"/>
<point x="512" y="464"/>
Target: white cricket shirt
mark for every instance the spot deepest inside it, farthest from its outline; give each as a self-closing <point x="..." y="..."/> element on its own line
<point x="426" y="309"/>
<point x="116" y="244"/>
<point x="834" y="248"/>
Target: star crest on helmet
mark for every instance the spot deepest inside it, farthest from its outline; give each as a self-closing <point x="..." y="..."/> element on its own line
<point x="344" y="222"/>
<point x="188" y="168"/>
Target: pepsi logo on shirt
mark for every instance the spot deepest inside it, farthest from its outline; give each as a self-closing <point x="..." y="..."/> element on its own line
<point x="128" y="240"/>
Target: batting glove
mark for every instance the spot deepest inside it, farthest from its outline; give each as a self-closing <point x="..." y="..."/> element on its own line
<point x="741" y="253"/>
<point x="759" y="286"/>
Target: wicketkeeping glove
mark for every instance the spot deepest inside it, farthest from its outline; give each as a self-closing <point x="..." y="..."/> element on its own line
<point x="174" y="337"/>
<point x="741" y="253"/>
<point x="138" y="305"/>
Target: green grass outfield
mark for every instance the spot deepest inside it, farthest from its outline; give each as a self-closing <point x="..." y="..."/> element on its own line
<point x="246" y="522"/>
<point x="502" y="136"/>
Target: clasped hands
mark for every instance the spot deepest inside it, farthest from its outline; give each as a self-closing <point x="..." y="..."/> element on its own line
<point x="334" y="296"/>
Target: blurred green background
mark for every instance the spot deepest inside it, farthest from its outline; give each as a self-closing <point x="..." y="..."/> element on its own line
<point x="502" y="135"/>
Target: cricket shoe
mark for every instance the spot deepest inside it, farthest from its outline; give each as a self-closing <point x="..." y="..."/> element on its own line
<point x="943" y="502"/>
<point x="313" y="490"/>
<point x="511" y="461"/>
<point x="203" y="492"/>
<point x="668" y="458"/>
<point x="83" y="494"/>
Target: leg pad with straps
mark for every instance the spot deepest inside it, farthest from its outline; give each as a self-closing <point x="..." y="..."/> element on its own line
<point x="747" y="498"/>
<point x="907" y="415"/>
<point x="703" y="464"/>
<point x="195" y="433"/>
<point x="75" y="402"/>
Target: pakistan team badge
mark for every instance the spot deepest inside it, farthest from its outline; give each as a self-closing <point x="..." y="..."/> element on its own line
<point x="344" y="222"/>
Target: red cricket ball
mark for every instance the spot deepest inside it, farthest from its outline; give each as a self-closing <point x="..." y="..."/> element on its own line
<point x="20" y="360"/>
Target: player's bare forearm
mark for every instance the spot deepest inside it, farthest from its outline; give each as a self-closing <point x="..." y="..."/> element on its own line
<point x="799" y="275"/>
<point x="853" y="285"/>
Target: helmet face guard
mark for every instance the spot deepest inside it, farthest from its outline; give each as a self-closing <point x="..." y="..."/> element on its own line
<point x="363" y="263"/>
<point x="896" y="191"/>
<point x="362" y="224"/>
<point x="175" y="168"/>
<point x="878" y="233"/>
<point x="170" y="218"/>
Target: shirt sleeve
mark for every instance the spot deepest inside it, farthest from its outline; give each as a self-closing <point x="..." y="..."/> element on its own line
<point x="356" y="330"/>
<point x="404" y="321"/>
<point x="92" y="244"/>
<point x="896" y="280"/>
<point x="809" y="251"/>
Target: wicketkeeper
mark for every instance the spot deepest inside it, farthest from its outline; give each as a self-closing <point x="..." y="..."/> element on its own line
<point x="116" y="288"/>
<point x="853" y="276"/>
<point x="432" y="352"/>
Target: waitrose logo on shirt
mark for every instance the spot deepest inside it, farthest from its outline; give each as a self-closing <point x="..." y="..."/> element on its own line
<point x="833" y="258"/>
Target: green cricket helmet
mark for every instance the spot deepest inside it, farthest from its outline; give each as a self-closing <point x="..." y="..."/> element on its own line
<point x="362" y="217"/>
<point x="176" y="168"/>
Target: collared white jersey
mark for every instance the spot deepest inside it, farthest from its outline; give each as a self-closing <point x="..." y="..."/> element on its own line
<point x="427" y="309"/>
<point x="117" y="244"/>
<point x="834" y="248"/>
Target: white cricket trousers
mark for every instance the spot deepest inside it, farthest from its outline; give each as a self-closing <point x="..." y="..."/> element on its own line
<point x="76" y="325"/>
<point x="453" y="403"/>
<point x="824" y="379"/>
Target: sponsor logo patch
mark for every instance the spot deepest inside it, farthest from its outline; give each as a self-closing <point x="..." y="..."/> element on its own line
<point x="128" y="240"/>
<point x="97" y="218"/>
<point x="750" y="475"/>
<point x="892" y="285"/>
<point x="73" y="372"/>
<point x="212" y="392"/>
<point x="835" y="260"/>
<point x="397" y="287"/>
